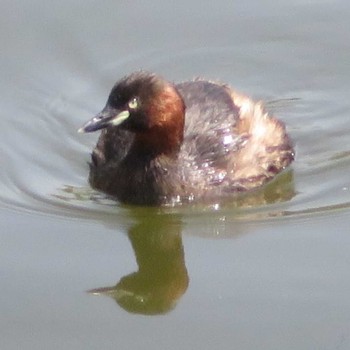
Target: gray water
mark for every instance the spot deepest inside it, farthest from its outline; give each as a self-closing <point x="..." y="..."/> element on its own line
<point x="80" y="271"/>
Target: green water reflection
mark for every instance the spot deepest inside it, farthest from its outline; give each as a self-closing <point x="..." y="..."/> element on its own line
<point x="162" y="276"/>
<point x="156" y="238"/>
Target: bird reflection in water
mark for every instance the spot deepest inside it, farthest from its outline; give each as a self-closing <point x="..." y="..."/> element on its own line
<point x="162" y="277"/>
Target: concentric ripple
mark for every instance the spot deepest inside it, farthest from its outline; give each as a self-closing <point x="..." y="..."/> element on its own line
<point x="45" y="160"/>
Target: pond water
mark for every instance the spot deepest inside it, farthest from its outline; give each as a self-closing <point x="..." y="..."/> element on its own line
<point x="79" y="271"/>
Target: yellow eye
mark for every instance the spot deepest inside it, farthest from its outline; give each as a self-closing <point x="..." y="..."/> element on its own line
<point x="133" y="104"/>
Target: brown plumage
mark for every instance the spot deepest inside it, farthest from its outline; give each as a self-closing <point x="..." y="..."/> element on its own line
<point x="166" y="144"/>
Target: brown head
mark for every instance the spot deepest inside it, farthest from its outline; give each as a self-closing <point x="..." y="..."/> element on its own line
<point x="148" y="106"/>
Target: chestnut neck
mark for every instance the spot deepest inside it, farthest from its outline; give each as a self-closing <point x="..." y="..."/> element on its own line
<point x="167" y="118"/>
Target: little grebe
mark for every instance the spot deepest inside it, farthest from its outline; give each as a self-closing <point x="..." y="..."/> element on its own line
<point x="167" y="144"/>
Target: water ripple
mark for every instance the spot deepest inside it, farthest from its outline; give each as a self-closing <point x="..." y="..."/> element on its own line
<point x="46" y="169"/>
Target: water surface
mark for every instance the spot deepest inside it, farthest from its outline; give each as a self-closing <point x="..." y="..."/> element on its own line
<point x="266" y="272"/>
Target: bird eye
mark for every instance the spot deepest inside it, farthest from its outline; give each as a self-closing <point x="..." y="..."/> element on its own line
<point x="133" y="104"/>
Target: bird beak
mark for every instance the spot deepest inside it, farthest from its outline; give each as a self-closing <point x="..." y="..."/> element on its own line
<point x="107" y="117"/>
